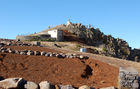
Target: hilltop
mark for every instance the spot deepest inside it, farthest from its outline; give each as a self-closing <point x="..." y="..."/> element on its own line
<point x="90" y="36"/>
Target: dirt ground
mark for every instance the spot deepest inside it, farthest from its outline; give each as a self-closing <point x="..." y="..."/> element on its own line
<point x="57" y="71"/>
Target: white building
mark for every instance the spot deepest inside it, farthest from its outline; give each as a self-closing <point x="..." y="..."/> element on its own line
<point x="68" y="22"/>
<point x="55" y="33"/>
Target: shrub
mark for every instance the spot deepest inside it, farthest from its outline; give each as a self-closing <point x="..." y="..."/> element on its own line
<point x="78" y="45"/>
<point x="124" y="51"/>
<point x="104" y="49"/>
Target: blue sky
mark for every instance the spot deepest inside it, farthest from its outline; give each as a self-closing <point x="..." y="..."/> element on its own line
<point x="120" y="18"/>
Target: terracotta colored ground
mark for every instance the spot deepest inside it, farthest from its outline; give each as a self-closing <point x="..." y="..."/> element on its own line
<point x="57" y="71"/>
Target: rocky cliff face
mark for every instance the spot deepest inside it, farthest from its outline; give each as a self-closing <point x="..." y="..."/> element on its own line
<point x="110" y="46"/>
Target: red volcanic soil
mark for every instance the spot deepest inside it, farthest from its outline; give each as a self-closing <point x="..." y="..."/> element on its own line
<point x="33" y="48"/>
<point x="57" y="71"/>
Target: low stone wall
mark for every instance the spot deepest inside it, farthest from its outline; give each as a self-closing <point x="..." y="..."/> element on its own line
<point x="128" y="78"/>
<point x="42" y="53"/>
<point x="23" y="38"/>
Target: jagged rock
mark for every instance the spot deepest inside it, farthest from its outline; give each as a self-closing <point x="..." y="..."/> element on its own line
<point x="12" y="83"/>
<point x="66" y="87"/>
<point x="31" y="85"/>
<point x="84" y="87"/>
<point x="43" y="53"/>
<point x="44" y="85"/>
<point x="108" y="88"/>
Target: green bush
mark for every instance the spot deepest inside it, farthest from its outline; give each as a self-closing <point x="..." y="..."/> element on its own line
<point x="124" y="51"/>
<point x="78" y="45"/>
<point x="104" y="49"/>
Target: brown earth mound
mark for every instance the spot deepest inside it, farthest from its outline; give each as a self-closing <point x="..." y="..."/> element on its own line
<point x="75" y="72"/>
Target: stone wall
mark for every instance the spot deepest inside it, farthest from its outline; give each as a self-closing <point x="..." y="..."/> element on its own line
<point x="23" y="38"/>
<point x="128" y="78"/>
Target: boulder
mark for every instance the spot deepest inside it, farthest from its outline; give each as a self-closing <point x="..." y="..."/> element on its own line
<point x="54" y="54"/>
<point x="51" y="54"/>
<point x="36" y="53"/>
<point x="44" y="85"/>
<point x="17" y="52"/>
<point x="2" y="48"/>
<point x="8" y="43"/>
<point x="23" y="53"/>
<point x="43" y="53"/>
<point x="108" y="87"/>
<point x="31" y="85"/>
<point x="66" y="87"/>
<point x="84" y="87"/>
<point x="81" y="57"/>
<point x="11" y="51"/>
<point x="135" y="85"/>
<point x="59" y="56"/>
<point x="4" y="51"/>
<point x="12" y="83"/>
<point x="56" y="87"/>
<point x="86" y="57"/>
<point x="71" y="56"/>
<point x="63" y="55"/>
<point x="47" y="54"/>
<point x="30" y="52"/>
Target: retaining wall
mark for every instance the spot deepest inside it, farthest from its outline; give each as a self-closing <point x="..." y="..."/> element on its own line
<point x="128" y="78"/>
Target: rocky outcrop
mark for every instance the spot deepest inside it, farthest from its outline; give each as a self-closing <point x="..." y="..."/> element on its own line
<point x="110" y="46"/>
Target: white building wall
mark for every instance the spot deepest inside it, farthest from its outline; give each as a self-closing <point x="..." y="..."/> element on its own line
<point x="58" y="34"/>
<point x="53" y="33"/>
